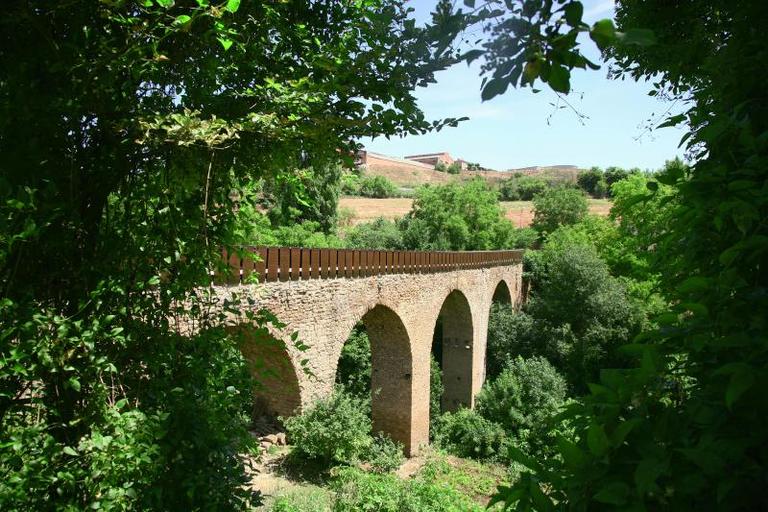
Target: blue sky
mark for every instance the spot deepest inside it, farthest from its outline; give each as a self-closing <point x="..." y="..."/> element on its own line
<point x="521" y="129"/>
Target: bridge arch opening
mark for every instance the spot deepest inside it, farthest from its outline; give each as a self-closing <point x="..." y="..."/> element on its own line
<point x="276" y="390"/>
<point x="502" y="295"/>
<point x="452" y="348"/>
<point x="376" y="361"/>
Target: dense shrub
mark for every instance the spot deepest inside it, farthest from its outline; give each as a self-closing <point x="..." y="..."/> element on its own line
<point x="377" y="234"/>
<point x="377" y="187"/>
<point x="334" y="430"/>
<point x="350" y="184"/>
<point x="465" y="433"/>
<point x="384" y="455"/>
<point x="524" y="396"/>
<point x="454" y="168"/>
<point x="356" y="491"/>
<point x="557" y="207"/>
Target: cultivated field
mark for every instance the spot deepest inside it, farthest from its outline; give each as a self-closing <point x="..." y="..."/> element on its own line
<point x="519" y="212"/>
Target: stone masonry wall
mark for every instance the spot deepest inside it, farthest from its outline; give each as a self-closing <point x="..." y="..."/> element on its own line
<point x="400" y="312"/>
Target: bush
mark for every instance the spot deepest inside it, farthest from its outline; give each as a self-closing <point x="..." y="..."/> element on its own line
<point x="454" y="168"/>
<point x="524" y="396"/>
<point x="350" y="184"/>
<point x="465" y="433"/>
<point x="558" y="207"/>
<point x="384" y="455"/>
<point x="356" y="491"/>
<point x="377" y="187"/>
<point x="377" y="234"/>
<point x="334" y="430"/>
<point x="441" y="167"/>
<point x="523" y="238"/>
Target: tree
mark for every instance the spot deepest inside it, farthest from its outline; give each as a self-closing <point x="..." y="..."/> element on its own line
<point x="593" y="182"/>
<point x="457" y="216"/>
<point x="558" y="207"/>
<point x="127" y="132"/>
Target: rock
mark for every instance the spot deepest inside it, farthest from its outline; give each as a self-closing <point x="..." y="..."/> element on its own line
<point x="281" y="441"/>
<point x="271" y="439"/>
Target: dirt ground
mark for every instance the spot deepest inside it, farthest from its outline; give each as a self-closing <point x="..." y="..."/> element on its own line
<point x="364" y="209"/>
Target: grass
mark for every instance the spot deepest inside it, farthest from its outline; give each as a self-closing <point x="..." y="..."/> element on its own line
<point x="472" y="478"/>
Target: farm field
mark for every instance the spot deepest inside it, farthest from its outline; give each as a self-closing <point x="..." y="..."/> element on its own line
<point x="519" y="212"/>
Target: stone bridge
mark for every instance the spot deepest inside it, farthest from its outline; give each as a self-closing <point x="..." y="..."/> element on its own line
<point x="400" y="296"/>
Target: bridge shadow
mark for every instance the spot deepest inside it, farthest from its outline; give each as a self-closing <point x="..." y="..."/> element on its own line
<point x="276" y="389"/>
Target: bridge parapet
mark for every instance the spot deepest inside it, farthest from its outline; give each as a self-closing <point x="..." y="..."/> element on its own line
<point x="301" y="263"/>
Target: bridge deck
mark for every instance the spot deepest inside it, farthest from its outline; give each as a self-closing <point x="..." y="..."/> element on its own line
<point x="294" y="263"/>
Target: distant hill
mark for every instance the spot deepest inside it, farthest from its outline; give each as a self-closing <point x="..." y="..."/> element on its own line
<point x="408" y="173"/>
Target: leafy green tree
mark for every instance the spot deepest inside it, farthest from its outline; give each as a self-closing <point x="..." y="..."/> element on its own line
<point x="592" y="181"/>
<point x="309" y="194"/>
<point x="456" y="216"/>
<point x="522" y="188"/>
<point x="126" y="130"/>
<point x="558" y="207"/>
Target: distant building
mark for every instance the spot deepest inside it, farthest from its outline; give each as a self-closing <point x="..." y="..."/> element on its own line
<point x="432" y="158"/>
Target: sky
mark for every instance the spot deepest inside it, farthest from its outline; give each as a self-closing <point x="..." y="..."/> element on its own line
<point x="522" y="128"/>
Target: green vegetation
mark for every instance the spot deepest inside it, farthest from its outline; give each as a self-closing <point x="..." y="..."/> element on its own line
<point x="377" y="187"/>
<point x="556" y="207"/>
<point x="334" y="430"/>
<point x="457" y="217"/>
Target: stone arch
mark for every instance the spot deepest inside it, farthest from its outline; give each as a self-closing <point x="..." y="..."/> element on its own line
<point x="502" y="293"/>
<point x="456" y="351"/>
<point x="276" y="390"/>
<point x="391" y="374"/>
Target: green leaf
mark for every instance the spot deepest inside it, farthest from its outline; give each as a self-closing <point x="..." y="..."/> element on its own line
<point x="74" y="383"/>
<point x="182" y="20"/>
<point x="470" y="3"/>
<point x="573" y="13"/>
<point x="560" y="79"/>
<point x="225" y="42"/>
<point x="232" y="5"/>
<point x="740" y="382"/>
<point x="603" y="33"/>
<point x="614" y="493"/>
<point x="472" y="55"/>
<point x="573" y="457"/>
<point x="694" y="284"/>
<point x="652" y="186"/>
<point x="70" y="451"/>
<point x="646" y="474"/>
<point x="597" y="440"/>
<point x="165" y="3"/>
<point x="493" y="88"/>
<point x="637" y="36"/>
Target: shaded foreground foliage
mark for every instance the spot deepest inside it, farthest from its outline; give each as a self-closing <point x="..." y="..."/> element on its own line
<point x="128" y="134"/>
<point x="684" y="428"/>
